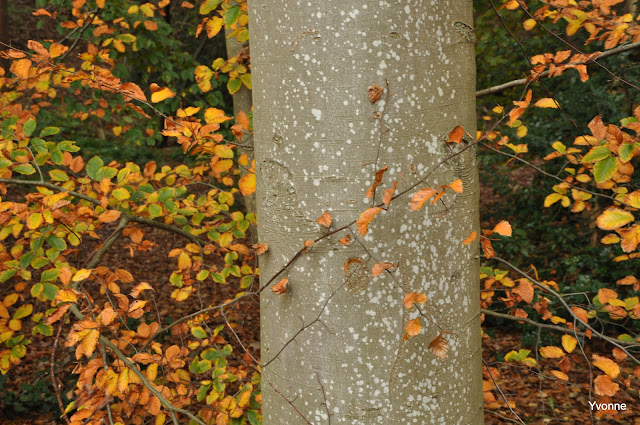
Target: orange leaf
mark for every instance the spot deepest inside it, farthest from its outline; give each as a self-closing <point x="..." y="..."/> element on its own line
<point x="365" y="218"/>
<point x="371" y="191"/>
<point x="137" y="290"/>
<point x="247" y="184"/>
<point x="133" y="91"/>
<point x="375" y="91"/>
<point x="260" y="248"/>
<point x="412" y="298"/>
<point x="88" y="344"/>
<point x="21" y="68"/>
<point x="606" y="365"/>
<point x="470" y="238"/>
<point x="525" y="290"/>
<point x="325" y="219"/>
<point x="388" y="194"/>
<point x="439" y="346"/>
<point x="456" y="135"/>
<point x="552" y="352"/>
<point x="345" y="241"/>
<point x="109" y="216"/>
<point x="606" y="294"/>
<point x="378" y="268"/>
<point x="561" y="376"/>
<point x="243" y="120"/>
<point x="487" y="248"/>
<point x="456" y="186"/>
<point x="420" y="197"/>
<point x="604" y="386"/>
<point x="280" y="287"/>
<point x="503" y="228"/>
<point x="413" y="328"/>
<point x="580" y="313"/>
<point x="158" y="94"/>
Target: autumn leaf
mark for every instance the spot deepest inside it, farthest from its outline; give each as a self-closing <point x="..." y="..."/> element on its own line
<point x="137" y="290"/>
<point x="88" y="344"/>
<point x="487" y="248"/>
<point x="375" y="91"/>
<point x="525" y="290"/>
<point x="439" y="346"/>
<point x="606" y="365"/>
<point x="470" y="238"/>
<point x="413" y="297"/>
<point x="561" y="376"/>
<point x="260" y="248"/>
<point x="388" y="194"/>
<point x="580" y="313"/>
<point x="605" y="295"/>
<point x="214" y="115"/>
<point x="614" y="218"/>
<point x="420" y="197"/>
<point x="413" y="328"/>
<point x="604" y="386"/>
<point x="109" y="216"/>
<point x="21" y="68"/>
<point x="503" y="228"/>
<point x="365" y="218"/>
<point x="247" y="184"/>
<point x="345" y="241"/>
<point x="132" y="91"/>
<point x="158" y="94"/>
<point x="378" y="268"/>
<point x="280" y="287"/>
<point x="456" y="135"/>
<point x="569" y="343"/>
<point x="456" y="186"/>
<point x="372" y="190"/>
<point x="67" y="295"/>
<point x="551" y="352"/>
<point x="546" y="102"/>
<point x="325" y="219"/>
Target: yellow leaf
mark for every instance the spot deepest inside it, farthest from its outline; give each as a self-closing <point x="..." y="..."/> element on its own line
<point x="182" y="293"/>
<point x="34" y="221"/>
<point x="109" y="216"/>
<point x="223" y="151"/>
<point x="614" y="218"/>
<point x="184" y="261"/>
<point x="551" y="352"/>
<point x="88" y="344"/>
<point x="214" y="25"/>
<point x="546" y="102"/>
<point x="569" y="343"/>
<point x="21" y="68"/>
<point x="247" y="184"/>
<point x="151" y="372"/>
<point x="66" y="295"/>
<point x="529" y="24"/>
<point x="213" y="115"/>
<point x="606" y="365"/>
<point x="81" y="274"/>
<point x="160" y="94"/>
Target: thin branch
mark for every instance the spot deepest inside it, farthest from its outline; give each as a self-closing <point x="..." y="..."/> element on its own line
<point x="54" y="382"/>
<point x="522" y="81"/>
<point x="501" y="393"/>
<point x="288" y="401"/>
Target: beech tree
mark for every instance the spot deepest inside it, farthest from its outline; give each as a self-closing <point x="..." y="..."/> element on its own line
<point x="349" y="97"/>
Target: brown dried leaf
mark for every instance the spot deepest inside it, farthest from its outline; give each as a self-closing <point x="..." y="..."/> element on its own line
<point x="378" y="268"/>
<point x="325" y="219"/>
<point x="375" y="91"/>
<point x="439" y="346"/>
<point x="280" y="287"/>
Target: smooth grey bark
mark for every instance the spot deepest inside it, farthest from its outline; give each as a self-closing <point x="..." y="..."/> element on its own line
<point x="317" y="137"/>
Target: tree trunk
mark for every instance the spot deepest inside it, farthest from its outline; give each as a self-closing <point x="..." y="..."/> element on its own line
<point x="333" y="344"/>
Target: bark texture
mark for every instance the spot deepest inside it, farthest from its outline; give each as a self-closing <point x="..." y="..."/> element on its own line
<point x="318" y="143"/>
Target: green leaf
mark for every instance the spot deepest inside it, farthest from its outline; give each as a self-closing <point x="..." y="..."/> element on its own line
<point x="121" y="194"/>
<point x="37" y="289"/>
<point x="246" y="80"/>
<point x="23" y="311"/>
<point x="29" y="127"/>
<point x="49" y="131"/>
<point x="218" y="278"/>
<point x="625" y="152"/>
<point x="254" y="417"/>
<point x="234" y="85"/>
<point x="603" y="170"/>
<point x="198" y="332"/>
<point x="208" y="6"/>
<point x="628" y="120"/>
<point x="50" y="291"/>
<point x="93" y="166"/>
<point x="41" y="328"/>
<point x="58" y="175"/>
<point x="26" y="169"/>
<point x="106" y="173"/>
<point x="155" y="211"/>
<point x="596" y="154"/>
<point x="246" y="281"/>
<point x="231" y="15"/>
<point x="5" y="275"/>
<point x="199" y="367"/>
<point x="56" y="242"/>
<point x="50" y="275"/>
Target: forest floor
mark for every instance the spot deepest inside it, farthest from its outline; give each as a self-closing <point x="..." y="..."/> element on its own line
<point x="535" y="395"/>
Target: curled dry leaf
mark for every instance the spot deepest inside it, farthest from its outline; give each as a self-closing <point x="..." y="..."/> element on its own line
<point x="605" y="295"/>
<point x="439" y="346"/>
<point x="420" y="197"/>
<point x="372" y="190"/>
<point x="487" y="248"/>
<point x="413" y="328"/>
<point x="388" y="194"/>
<point x="470" y="238"/>
<point x="413" y="297"/>
<point x="524" y="290"/>
<point x="456" y="135"/>
<point x="378" y="268"/>
<point x="345" y="241"/>
<point x="325" y="219"/>
<point x="280" y="287"/>
<point x="606" y="365"/>
<point x="260" y="248"/>
<point x="365" y="218"/>
<point x="375" y="91"/>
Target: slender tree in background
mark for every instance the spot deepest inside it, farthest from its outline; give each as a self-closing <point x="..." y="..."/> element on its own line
<point x="321" y="136"/>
